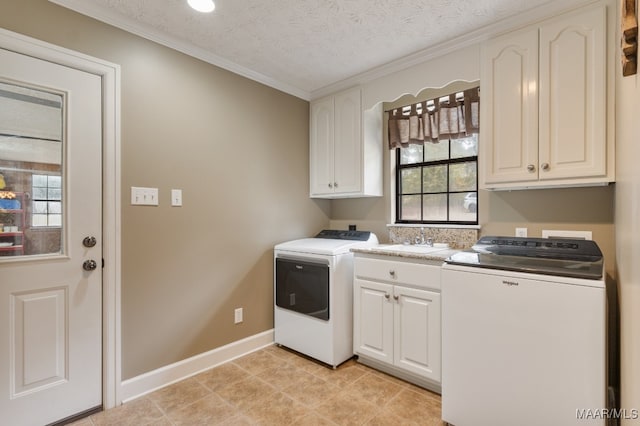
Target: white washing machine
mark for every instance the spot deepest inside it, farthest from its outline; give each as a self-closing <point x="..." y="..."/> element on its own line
<point x="313" y="294"/>
<point x="524" y="334"/>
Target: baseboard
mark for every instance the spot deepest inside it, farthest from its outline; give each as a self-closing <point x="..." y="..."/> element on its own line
<point x="401" y="374"/>
<point x="161" y="377"/>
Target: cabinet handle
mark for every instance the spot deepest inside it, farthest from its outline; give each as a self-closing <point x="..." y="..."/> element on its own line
<point x="386" y="296"/>
<point x="545" y="166"/>
<point x="531" y="168"/>
<point x="330" y="186"/>
<point x="396" y="297"/>
<point x="335" y="184"/>
<point x="392" y="273"/>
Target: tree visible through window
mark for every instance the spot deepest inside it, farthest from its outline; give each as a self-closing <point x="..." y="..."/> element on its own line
<point x="438" y="182"/>
<point x="46" y="196"/>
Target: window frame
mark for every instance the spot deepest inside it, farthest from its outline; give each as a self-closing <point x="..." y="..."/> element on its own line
<point x="421" y="165"/>
<point x="47" y="200"/>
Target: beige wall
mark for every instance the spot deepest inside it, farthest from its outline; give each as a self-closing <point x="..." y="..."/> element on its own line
<point x="239" y="152"/>
<point x="186" y="269"/>
<point x="571" y="209"/>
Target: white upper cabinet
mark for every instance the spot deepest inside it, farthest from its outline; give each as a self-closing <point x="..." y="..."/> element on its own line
<point x="321" y="147"/>
<point x="345" y="147"/>
<point x="547" y="113"/>
<point x="509" y="108"/>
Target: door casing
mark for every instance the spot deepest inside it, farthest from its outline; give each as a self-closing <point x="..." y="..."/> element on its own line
<point x="111" y="224"/>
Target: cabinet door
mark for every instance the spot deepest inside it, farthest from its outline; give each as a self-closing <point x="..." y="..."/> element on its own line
<point x="417" y="331"/>
<point x="509" y="126"/>
<point x="348" y="142"/>
<point x="321" y="153"/>
<point x="573" y="110"/>
<point x="373" y="320"/>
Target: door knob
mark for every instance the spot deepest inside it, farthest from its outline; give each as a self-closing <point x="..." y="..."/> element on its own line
<point x="89" y="265"/>
<point x="545" y="166"/>
<point x="89" y="241"/>
<point x="531" y="168"/>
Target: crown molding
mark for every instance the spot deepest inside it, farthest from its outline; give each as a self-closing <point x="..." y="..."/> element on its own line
<point x="130" y="25"/>
<point x="473" y="37"/>
<point x="512" y="23"/>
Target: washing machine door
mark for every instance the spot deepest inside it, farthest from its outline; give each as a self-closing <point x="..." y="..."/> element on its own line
<point x="303" y="287"/>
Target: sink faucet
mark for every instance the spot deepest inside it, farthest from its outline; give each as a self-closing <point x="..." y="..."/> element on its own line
<point x="422" y="240"/>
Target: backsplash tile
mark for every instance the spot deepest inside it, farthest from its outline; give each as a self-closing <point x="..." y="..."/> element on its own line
<point x="457" y="238"/>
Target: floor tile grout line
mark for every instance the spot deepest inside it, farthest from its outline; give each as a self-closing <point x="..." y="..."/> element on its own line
<point x="300" y="365"/>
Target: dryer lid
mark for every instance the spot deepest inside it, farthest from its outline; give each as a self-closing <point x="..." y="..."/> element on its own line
<point x="325" y="246"/>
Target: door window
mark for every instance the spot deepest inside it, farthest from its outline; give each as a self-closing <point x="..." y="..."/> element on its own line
<point x="31" y="170"/>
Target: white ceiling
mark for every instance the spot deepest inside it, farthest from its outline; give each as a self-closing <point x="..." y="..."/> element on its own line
<point x="307" y="47"/>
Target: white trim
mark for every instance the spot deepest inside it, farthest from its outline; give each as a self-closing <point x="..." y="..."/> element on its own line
<point x="432" y="225"/>
<point x="111" y="274"/>
<point x="104" y="14"/>
<point x="164" y="376"/>
<point x="511" y="23"/>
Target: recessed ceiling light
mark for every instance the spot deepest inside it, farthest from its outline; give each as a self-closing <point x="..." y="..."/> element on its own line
<point x="204" y="6"/>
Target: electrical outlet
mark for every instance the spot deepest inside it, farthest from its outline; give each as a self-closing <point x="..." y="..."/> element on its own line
<point x="521" y="232"/>
<point x="238" y="315"/>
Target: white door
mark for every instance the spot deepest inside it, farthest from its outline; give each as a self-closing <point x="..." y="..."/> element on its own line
<point x="573" y="97"/>
<point x="510" y="108"/>
<point x="50" y="306"/>
<point x="417" y="331"/>
<point x="321" y="160"/>
<point x="373" y="320"/>
<point x="348" y="143"/>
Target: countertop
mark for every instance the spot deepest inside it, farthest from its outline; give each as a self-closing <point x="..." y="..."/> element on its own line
<point x="383" y="249"/>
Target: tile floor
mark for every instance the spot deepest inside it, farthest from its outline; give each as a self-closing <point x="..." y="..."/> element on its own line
<point x="275" y="386"/>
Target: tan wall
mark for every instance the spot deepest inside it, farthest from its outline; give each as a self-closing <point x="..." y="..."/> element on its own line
<point x="570" y="209"/>
<point x="237" y="149"/>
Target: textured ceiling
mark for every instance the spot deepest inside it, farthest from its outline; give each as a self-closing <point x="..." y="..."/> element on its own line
<point x="307" y="44"/>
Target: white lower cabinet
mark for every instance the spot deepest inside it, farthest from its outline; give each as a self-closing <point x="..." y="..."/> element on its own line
<point x="397" y="317"/>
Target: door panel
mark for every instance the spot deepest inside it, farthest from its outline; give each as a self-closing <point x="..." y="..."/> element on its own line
<point x="50" y="307"/>
<point x="348" y="142"/>
<point x="573" y="122"/>
<point x="38" y="347"/>
<point x="417" y="332"/>
<point x="321" y="161"/>
<point x="510" y="108"/>
<point x="373" y="321"/>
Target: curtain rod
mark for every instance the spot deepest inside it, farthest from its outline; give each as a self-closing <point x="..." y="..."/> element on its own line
<point x="432" y="99"/>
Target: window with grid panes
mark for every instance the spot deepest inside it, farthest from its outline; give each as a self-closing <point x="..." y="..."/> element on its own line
<point x="437" y="183"/>
<point x="46" y="194"/>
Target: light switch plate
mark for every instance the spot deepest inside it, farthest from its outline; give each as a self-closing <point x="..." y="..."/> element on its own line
<point x="176" y="197"/>
<point x="144" y="196"/>
<point x="521" y="232"/>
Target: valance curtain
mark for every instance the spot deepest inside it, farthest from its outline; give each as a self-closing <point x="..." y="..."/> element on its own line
<point x="449" y="117"/>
